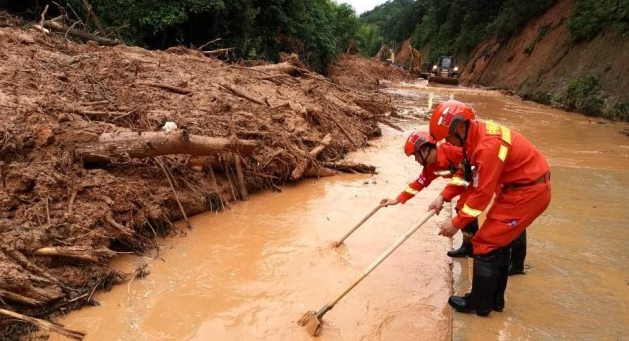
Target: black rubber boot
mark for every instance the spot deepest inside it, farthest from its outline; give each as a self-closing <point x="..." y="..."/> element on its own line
<point x="484" y="282"/>
<point x="466" y="249"/>
<point x="504" y="254"/>
<point x="518" y="254"/>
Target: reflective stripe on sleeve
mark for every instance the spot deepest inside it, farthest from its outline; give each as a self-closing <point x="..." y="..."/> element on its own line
<point x="459" y="182"/>
<point x="410" y="190"/>
<point x="502" y="154"/>
<point x="470" y="211"/>
<point x="506" y="134"/>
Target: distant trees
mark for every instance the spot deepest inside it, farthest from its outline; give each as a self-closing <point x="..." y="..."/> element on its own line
<point x="453" y="26"/>
<point x="318" y="30"/>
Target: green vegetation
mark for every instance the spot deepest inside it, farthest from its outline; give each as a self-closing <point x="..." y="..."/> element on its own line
<point x="317" y="30"/>
<point x="582" y="95"/>
<point x="618" y="111"/>
<point x="451" y="27"/>
<point x="539" y="96"/>
<point x="589" y="17"/>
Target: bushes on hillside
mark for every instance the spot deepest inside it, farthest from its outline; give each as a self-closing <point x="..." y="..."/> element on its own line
<point x="589" y="17"/>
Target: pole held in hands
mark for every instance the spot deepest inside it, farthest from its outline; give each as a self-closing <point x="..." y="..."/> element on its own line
<point x="340" y="241"/>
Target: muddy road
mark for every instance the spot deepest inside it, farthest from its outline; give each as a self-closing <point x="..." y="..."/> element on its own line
<point x="253" y="270"/>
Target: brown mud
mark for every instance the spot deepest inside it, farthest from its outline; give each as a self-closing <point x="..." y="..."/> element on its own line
<point x="62" y="219"/>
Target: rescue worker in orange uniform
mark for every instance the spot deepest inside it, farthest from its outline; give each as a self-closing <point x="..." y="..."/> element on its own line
<point x="442" y="160"/>
<point x="496" y="160"/>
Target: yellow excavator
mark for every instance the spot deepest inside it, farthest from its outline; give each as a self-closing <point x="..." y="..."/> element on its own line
<point x="419" y="68"/>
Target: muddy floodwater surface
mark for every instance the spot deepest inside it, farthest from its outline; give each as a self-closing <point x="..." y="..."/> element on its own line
<point x="250" y="272"/>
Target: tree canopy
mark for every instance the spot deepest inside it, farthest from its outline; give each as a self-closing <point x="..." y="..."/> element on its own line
<point x="320" y="30"/>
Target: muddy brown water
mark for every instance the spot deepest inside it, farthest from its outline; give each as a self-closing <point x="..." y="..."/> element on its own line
<point x="251" y="272"/>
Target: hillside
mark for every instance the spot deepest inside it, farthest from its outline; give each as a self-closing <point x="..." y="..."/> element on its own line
<point x="541" y="62"/>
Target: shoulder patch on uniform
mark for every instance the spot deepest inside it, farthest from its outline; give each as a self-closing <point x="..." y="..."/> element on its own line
<point x="492" y="128"/>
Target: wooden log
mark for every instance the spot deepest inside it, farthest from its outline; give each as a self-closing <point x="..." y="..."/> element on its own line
<point x="350" y="167"/>
<point x="321" y="172"/>
<point x="324" y="143"/>
<point x="77" y="252"/>
<point x="305" y="166"/>
<point x="74" y="335"/>
<point x="19" y="298"/>
<point x="78" y="33"/>
<point x="111" y="146"/>
<point x="286" y="68"/>
<point x="170" y="88"/>
<point x="218" y="51"/>
<point x="240" y="177"/>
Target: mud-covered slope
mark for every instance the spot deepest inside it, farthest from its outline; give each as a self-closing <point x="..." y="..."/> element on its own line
<point x="543" y="59"/>
<point x="61" y="218"/>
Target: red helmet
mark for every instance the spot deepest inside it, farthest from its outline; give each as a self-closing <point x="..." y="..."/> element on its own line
<point x="416" y="140"/>
<point x="447" y="116"/>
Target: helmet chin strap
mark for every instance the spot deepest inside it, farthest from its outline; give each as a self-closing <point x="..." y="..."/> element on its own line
<point x="463" y="139"/>
<point x="425" y="159"/>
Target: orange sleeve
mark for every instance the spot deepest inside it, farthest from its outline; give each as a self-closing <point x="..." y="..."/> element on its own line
<point x="455" y="187"/>
<point x="425" y="179"/>
<point x="489" y="167"/>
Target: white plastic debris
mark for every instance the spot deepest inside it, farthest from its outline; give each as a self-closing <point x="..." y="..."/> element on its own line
<point x="169" y="126"/>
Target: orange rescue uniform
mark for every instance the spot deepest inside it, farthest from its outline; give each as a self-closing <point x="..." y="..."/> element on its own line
<point x="448" y="157"/>
<point x="507" y="164"/>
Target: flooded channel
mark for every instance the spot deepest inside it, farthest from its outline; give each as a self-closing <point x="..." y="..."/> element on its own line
<point x="251" y="272"/>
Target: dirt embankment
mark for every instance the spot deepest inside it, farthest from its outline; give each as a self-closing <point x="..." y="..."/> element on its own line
<point x="542" y="58"/>
<point x="65" y="210"/>
<point x="364" y="74"/>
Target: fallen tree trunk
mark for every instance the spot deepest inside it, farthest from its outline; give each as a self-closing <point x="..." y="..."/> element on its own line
<point x="78" y="33"/>
<point x="19" y="298"/>
<point x="112" y="146"/>
<point x="282" y="68"/>
<point x="321" y="172"/>
<point x="76" y="252"/>
<point x="302" y="167"/>
<point x="350" y="167"/>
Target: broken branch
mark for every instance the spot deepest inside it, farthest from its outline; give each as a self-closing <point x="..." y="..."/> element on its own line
<point x="242" y="94"/>
<point x="74" y="335"/>
<point x="172" y="187"/>
<point x="79" y="33"/>
<point x="217" y="51"/>
<point x="168" y="87"/>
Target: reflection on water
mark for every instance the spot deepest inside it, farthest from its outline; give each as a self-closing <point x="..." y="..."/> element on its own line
<point x="252" y="271"/>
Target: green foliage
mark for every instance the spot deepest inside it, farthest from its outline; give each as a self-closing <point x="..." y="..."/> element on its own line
<point x="515" y="14"/>
<point x="318" y="30"/>
<point x="582" y="95"/>
<point x="618" y="111"/>
<point x="454" y="26"/>
<point x="589" y="17"/>
<point x="369" y="39"/>
<point x="395" y="19"/>
<point x="539" y="96"/>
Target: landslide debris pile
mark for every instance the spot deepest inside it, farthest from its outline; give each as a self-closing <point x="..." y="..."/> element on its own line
<point x="64" y="213"/>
